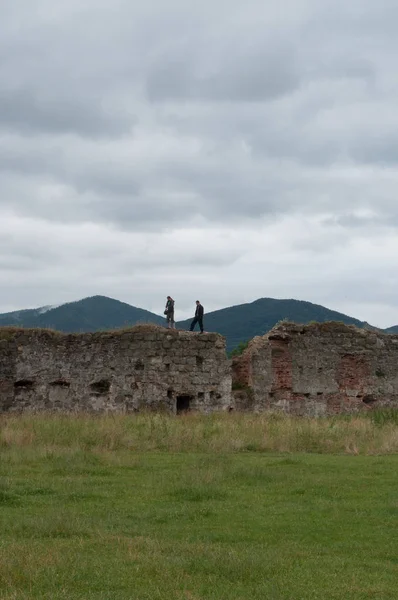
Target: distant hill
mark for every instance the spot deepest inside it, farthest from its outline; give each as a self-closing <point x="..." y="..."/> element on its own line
<point x="244" y="321"/>
<point x="91" y="314"/>
<point x="237" y="323"/>
<point x="393" y="329"/>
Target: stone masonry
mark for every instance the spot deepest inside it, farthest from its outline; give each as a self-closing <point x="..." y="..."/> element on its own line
<point x="314" y="370"/>
<point x="145" y="367"/>
<point x="317" y="369"/>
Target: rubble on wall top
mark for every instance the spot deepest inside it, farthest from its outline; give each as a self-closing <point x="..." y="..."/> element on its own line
<point x="285" y="328"/>
<point x="140" y="330"/>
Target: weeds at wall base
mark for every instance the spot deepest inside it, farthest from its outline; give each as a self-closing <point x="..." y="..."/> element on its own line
<point x="375" y="432"/>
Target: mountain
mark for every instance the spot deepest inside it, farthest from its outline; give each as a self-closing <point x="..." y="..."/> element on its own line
<point x="90" y="314"/>
<point x="244" y="321"/>
<point x="237" y="323"/>
<point x="393" y="329"/>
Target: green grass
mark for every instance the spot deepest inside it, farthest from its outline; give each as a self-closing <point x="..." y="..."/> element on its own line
<point x="92" y="512"/>
<point x="370" y="433"/>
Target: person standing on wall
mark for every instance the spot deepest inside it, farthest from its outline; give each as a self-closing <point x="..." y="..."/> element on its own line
<point x="198" y="318"/>
<point x="169" y="312"/>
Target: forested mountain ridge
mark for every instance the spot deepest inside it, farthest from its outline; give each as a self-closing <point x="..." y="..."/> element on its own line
<point x="90" y="314"/>
<point x="237" y="323"/>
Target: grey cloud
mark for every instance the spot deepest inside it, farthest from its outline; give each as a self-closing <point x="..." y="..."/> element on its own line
<point x="143" y="118"/>
<point x="36" y="113"/>
<point x="172" y="190"/>
<point x="380" y="147"/>
<point x="241" y="72"/>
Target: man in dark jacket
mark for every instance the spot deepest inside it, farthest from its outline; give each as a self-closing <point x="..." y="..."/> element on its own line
<point x="169" y="312"/>
<point x="198" y="317"/>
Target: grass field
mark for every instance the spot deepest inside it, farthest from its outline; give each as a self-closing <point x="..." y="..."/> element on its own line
<point x="156" y="508"/>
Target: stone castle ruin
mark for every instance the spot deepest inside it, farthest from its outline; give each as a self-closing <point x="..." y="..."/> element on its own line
<point x="314" y="370"/>
<point x="317" y="369"/>
<point x="146" y="367"/>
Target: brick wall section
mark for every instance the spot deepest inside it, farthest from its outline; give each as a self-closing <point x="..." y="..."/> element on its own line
<point x="322" y="369"/>
<point x="145" y="367"/>
<point x="242" y="375"/>
<point x="282" y="370"/>
<point x="354" y="374"/>
<point x="242" y="370"/>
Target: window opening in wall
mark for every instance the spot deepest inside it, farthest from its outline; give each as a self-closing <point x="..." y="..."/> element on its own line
<point x="167" y="365"/>
<point x="369" y="400"/>
<point x="100" y="387"/>
<point x="183" y="404"/>
<point x="24" y="383"/>
<point x="170" y="394"/>
<point x="201" y="395"/>
<point x="199" y="361"/>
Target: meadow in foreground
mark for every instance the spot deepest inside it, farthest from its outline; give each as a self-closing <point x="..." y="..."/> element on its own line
<point x="197" y="508"/>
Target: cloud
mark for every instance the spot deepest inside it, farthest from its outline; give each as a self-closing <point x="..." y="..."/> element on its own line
<point x="227" y="152"/>
<point x="259" y="71"/>
<point x="25" y="112"/>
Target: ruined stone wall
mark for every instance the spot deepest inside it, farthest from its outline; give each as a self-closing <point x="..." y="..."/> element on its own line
<point x="146" y="367"/>
<point x="311" y="370"/>
<point x="317" y="369"/>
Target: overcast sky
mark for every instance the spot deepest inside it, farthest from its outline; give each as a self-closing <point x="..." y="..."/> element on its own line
<point x="221" y="150"/>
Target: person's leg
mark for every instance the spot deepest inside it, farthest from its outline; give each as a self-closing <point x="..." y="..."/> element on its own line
<point x="168" y="322"/>
<point x="193" y="324"/>
<point x="173" y="324"/>
<point x="201" y="325"/>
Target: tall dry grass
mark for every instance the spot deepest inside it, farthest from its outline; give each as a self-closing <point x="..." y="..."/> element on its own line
<point x="218" y="433"/>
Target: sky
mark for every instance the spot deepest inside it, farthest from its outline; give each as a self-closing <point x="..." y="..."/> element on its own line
<point x="216" y="150"/>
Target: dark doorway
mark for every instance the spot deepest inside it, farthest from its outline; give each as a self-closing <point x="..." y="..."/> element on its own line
<point x="183" y="404"/>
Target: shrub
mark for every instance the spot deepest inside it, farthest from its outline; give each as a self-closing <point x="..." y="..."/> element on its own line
<point x="240" y="348"/>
